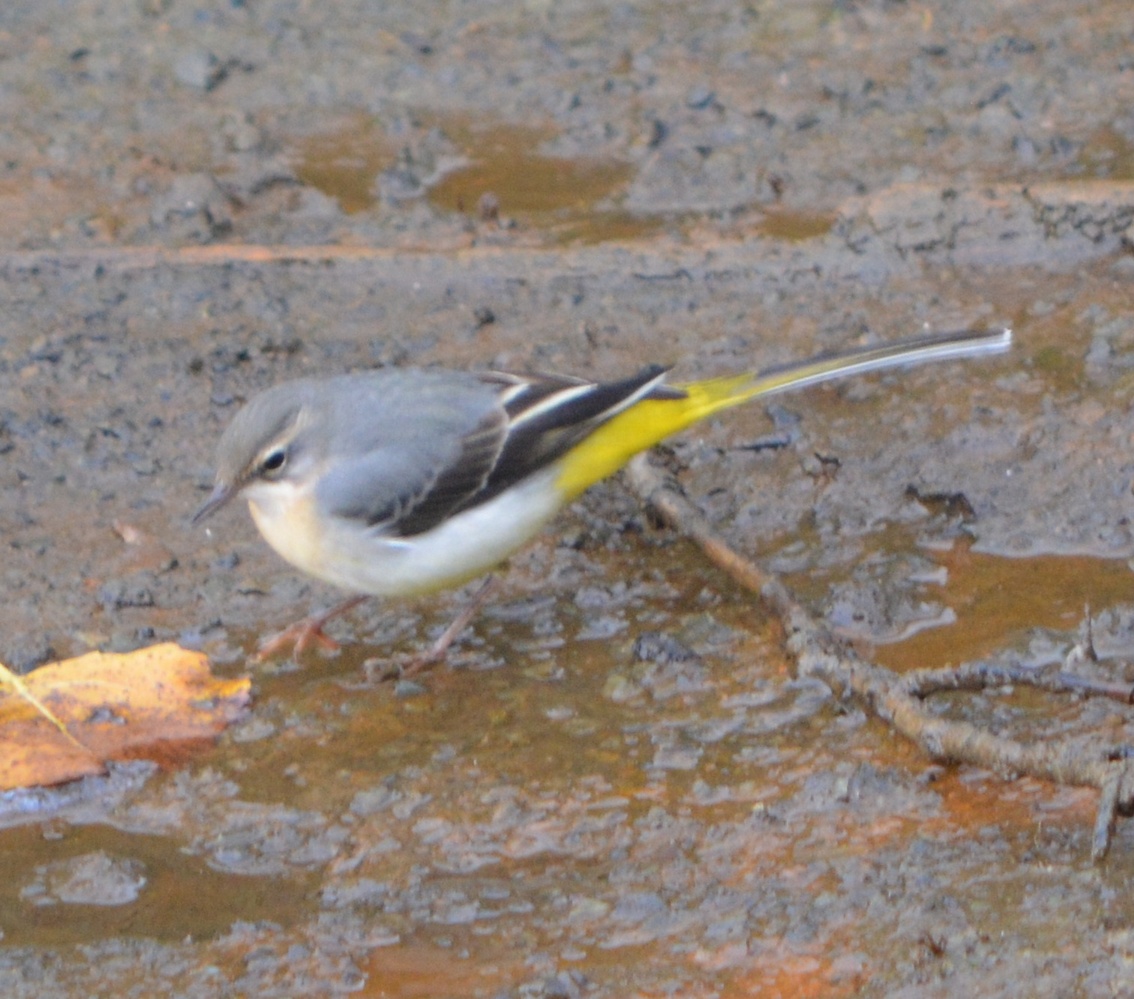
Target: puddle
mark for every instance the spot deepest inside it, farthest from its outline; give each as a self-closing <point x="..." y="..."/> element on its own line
<point x="795" y="227"/>
<point x="995" y="598"/>
<point x="571" y="200"/>
<point x="504" y="160"/>
<point x="1108" y="154"/>
<point x="574" y="200"/>
<point x="987" y="602"/>
<point x="422" y="971"/>
<point x="180" y="897"/>
<point x="495" y="809"/>
<point x="542" y="670"/>
<point x="345" y="163"/>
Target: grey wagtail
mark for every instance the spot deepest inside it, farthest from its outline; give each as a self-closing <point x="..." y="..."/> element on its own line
<point x="401" y="482"/>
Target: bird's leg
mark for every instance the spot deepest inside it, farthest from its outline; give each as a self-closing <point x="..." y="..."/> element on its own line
<point x="309" y="630"/>
<point x="436" y="652"/>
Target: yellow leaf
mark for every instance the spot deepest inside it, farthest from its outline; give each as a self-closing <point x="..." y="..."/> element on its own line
<point x="146" y="704"/>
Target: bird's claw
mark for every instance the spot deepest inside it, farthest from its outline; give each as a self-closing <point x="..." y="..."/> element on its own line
<point x="296" y="640"/>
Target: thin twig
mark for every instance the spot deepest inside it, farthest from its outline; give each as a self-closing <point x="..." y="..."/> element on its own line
<point x="899" y="700"/>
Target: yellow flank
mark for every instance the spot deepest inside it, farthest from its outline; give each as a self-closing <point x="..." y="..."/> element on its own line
<point x="648" y="423"/>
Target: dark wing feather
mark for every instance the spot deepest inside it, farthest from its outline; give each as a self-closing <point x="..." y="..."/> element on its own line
<point x="535" y="421"/>
<point x="548" y="416"/>
<point x="460" y="481"/>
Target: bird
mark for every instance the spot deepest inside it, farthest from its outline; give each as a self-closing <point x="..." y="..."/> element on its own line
<point x="399" y="482"/>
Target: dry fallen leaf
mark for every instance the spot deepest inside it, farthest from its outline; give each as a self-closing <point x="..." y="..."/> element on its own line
<point x="20" y="689"/>
<point x="73" y="716"/>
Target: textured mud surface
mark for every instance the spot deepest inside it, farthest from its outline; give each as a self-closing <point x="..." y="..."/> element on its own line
<point x="622" y="792"/>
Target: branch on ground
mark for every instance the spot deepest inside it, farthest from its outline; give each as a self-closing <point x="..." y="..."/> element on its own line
<point x="899" y="700"/>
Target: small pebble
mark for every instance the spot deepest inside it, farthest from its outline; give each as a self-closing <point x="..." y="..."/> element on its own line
<point x="408" y="688"/>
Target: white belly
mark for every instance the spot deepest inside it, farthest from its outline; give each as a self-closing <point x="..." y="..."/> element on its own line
<point x="366" y="561"/>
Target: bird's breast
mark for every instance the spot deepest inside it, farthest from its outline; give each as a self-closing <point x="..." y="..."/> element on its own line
<point x="287" y="519"/>
<point x="362" y="559"/>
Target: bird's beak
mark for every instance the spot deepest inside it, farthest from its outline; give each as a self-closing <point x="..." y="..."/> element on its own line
<point x="221" y="494"/>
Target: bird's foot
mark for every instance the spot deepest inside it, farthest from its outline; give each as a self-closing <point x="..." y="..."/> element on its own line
<point x="404" y="667"/>
<point x="303" y="634"/>
<point x="387" y="669"/>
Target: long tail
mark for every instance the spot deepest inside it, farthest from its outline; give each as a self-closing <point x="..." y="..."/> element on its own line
<point x="652" y="420"/>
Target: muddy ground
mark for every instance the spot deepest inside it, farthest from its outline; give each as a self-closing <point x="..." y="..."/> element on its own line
<point x="620" y="789"/>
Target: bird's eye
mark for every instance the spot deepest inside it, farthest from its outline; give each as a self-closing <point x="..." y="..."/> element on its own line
<point x="273" y="461"/>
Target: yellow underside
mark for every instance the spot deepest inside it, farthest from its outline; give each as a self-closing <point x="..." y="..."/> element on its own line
<point x="648" y="423"/>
